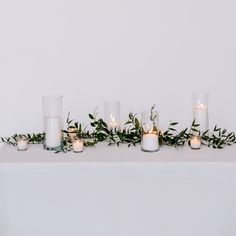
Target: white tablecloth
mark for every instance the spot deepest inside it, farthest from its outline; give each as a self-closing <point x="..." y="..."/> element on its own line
<point x="111" y="191"/>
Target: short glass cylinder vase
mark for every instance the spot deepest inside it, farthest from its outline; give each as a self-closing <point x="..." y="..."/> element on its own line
<point x="112" y="114"/>
<point x="52" y="122"/>
<point x="149" y="123"/>
<point x="77" y="145"/>
<point x="195" y="142"/>
<point x="200" y="111"/>
<point x="22" y="143"/>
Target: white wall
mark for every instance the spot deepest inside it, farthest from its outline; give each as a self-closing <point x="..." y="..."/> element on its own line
<point x="138" y="51"/>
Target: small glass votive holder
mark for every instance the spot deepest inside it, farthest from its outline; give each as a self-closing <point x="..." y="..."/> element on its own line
<point x="77" y="145"/>
<point x="22" y="143"/>
<point x="195" y="142"/>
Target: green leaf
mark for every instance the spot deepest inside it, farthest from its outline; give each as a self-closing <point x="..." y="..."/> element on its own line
<point x="172" y="129"/>
<point x="91" y="116"/>
<point x="173" y="123"/>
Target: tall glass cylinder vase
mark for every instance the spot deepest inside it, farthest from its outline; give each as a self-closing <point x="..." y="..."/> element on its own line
<point x="112" y="114"/>
<point x="52" y="122"/>
<point x="149" y="123"/>
<point x="200" y="111"/>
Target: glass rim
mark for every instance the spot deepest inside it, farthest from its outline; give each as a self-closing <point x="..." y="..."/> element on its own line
<point x="112" y="102"/>
<point x="200" y="94"/>
<point x="52" y="96"/>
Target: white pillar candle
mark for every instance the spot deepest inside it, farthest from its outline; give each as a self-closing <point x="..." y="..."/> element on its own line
<point x="78" y="146"/>
<point x="200" y="115"/>
<point x="22" y="144"/>
<point x="53" y="132"/>
<point x="150" y="142"/>
<point x="195" y="143"/>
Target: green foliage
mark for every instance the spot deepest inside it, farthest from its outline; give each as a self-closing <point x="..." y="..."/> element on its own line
<point x="32" y="138"/>
<point x="219" y="138"/>
<point x="172" y="138"/>
<point x="130" y="134"/>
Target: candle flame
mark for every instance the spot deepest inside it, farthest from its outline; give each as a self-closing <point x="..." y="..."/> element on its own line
<point x="112" y="119"/>
<point x="150" y="131"/>
<point x="201" y="106"/>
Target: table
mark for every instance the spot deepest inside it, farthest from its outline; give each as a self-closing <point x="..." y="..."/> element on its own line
<point x="118" y="191"/>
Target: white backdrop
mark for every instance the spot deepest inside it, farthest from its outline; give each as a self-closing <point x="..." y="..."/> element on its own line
<point x="140" y="52"/>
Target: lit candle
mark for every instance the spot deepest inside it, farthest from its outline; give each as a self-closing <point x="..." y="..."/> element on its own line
<point x="150" y="142"/>
<point x="53" y="132"/>
<point x="195" y="142"/>
<point x="72" y="132"/>
<point x="113" y="123"/>
<point x="22" y="144"/>
<point x="78" y="145"/>
<point x="200" y="115"/>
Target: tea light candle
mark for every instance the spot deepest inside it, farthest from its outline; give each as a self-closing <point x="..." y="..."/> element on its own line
<point x="22" y="144"/>
<point x="53" y="132"/>
<point x="195" y="142"/>
<point x="150" y="142"/>
<point x="200" y="114"/>
<point x="78" y="145"/>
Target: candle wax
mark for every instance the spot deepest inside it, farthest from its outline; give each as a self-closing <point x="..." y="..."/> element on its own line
<point x="195" y="143"/>
<point x="150" y="142"/>
<point x="53" y="131"/>
<point x="78" y="146"/>
<point x="200" y="114"/>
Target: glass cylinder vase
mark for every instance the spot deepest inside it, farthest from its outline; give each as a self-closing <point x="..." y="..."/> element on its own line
<point x="149" y="123"/>
<point x="112" y="114"/>
<point x="200" y="111"/>
<point x="52" y="122"/>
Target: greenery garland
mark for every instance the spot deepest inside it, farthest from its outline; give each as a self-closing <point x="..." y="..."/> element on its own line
<point x="32" y="138"/>
<point x="130" y="134"/>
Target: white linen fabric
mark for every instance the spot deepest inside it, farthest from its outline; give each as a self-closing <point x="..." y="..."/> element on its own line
<point x="118" y="191"/>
